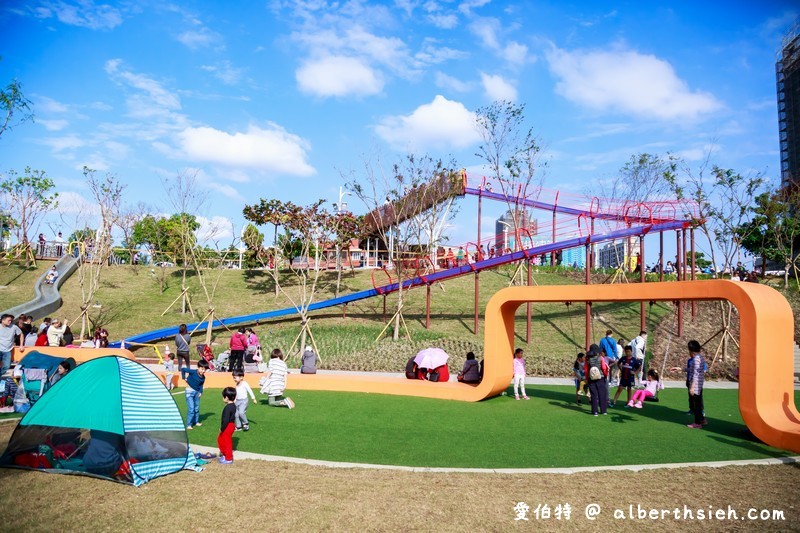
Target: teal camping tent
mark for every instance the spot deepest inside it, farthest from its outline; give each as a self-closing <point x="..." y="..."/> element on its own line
<point x="110" y="417"/>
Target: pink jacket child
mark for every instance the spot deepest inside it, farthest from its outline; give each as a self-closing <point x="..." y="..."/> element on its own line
<point x="651" y="388"/>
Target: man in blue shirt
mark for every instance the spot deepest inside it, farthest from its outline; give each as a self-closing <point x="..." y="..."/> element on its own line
<point x="609" y="347"/>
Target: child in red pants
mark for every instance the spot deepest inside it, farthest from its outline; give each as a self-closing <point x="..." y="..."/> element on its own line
<point x="228" y="425"/>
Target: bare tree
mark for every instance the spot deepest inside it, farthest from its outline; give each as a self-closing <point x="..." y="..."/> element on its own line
<point x="107" y="194"/>
<point x="398" y="203"/>
<point x="512" y="154"/>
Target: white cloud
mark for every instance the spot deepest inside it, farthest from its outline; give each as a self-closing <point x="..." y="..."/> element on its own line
<point x="443" y="81"/>
<point x="338" y="76"/>
<point x="445" y="22"/>
<point x="467" y="6"/>
<point x="84" y="14"/>
<point x="217" y="228"/>
<point x="53" y="125"/>
<point x="48" y="105"/>
<point x="497" y="88"/>
<point x="229" y="191"/>
<point x="67" y="142"/>
<point x="487" y="30"/>
<point x="153" y="91"/>
<point x="441" y="124"/>
<point x="73" y="203"/>
<point x="225" y="72"/>
<point x="628" y="82"/>
<point x="202" y="37"/>
<point x="272" y="149"/>
<point x="515" y="53"/>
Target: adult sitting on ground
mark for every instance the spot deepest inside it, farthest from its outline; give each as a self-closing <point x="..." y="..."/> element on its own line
<point x="470" y="373"/>
<point x="412" y="370"/>
<point x="440" y="373"/>
<point x="309" y="361"/>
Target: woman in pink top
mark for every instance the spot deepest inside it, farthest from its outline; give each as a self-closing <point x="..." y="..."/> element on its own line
<point x="238" y="345"/>
<point x="519" y="374"/>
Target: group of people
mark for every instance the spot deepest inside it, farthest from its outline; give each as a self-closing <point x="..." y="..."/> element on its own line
<point x="236" y="399"/>
<point x="593" y="373"/>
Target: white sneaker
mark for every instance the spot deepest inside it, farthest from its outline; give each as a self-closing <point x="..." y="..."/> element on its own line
<point x="289" y="403"/>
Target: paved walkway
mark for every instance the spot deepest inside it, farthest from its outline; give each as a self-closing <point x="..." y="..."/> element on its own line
<point x="528" y="380"/>
<point x="570" y="470"/>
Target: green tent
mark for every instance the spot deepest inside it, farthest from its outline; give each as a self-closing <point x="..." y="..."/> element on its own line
<point x="110" y="417"/>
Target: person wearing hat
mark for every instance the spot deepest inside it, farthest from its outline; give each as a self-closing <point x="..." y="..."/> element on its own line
<point x="56" y="332"/>
<point x="309" y="361"/>
<point x="596" y="372"/>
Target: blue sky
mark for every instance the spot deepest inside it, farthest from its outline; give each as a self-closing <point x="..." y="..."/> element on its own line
<point x="277" y="99"/>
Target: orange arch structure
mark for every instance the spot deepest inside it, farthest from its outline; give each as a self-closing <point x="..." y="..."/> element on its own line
<point x="766" y="388"/>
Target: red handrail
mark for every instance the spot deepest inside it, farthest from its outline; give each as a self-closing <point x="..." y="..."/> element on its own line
<point x="374" y="286"/>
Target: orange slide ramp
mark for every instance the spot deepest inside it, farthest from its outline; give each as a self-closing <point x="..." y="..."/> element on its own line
<point x="81" y="355"/>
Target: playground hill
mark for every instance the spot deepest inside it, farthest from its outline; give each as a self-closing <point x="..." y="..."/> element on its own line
<point x="130" y="301"/>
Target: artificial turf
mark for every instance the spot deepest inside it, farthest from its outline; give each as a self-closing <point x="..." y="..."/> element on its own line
<point x="550" y="430"/>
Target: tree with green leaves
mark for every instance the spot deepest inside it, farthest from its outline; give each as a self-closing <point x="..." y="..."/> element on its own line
<point x="719" y="205"/>
<point x="27" y="197"/>
<point x="15" y="108"/>
<point x="773" y="232"/>
<point x="306" y="230"/>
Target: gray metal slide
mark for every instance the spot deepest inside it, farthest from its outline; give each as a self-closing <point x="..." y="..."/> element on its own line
<point x="46" y="299"/>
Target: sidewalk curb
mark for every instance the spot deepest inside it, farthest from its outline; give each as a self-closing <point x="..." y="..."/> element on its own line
<point x="791" y="460"/>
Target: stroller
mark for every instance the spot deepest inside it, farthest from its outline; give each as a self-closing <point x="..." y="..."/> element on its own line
<point x="218" y="365"/>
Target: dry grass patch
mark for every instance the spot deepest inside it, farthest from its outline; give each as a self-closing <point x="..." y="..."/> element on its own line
<point x="264" y="496"/>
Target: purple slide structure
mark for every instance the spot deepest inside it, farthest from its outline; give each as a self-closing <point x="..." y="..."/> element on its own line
<point x="156" y="335"/>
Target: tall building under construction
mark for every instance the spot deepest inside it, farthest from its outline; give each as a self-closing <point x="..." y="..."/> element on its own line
<point x="788" y="77"/>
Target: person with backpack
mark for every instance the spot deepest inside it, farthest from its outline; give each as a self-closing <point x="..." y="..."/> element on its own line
<point x="596" y="372"/>
<point x="609" y="345"/>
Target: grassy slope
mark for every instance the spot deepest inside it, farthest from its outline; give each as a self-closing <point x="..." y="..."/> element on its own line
<point x="550" y="430"/>
<point x="134" y="304"/>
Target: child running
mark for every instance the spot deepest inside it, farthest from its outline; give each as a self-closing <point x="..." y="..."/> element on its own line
<point x="242" y="391"/>
<point x="226" y="428"/>
<point x="195" y="378"/>
<point x="274" y="383"/>
<point x="519" y="374"/>
<point x="651" y="388"/>
<point x="580" y="378"/>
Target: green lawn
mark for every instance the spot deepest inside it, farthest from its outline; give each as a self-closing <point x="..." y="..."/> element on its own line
<point x="550" y="430"/>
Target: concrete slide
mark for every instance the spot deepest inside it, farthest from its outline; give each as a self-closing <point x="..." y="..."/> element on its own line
<point x="46" y="297"/>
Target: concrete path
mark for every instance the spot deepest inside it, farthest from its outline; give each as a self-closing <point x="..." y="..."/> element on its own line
<point x="237" y="455"/>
